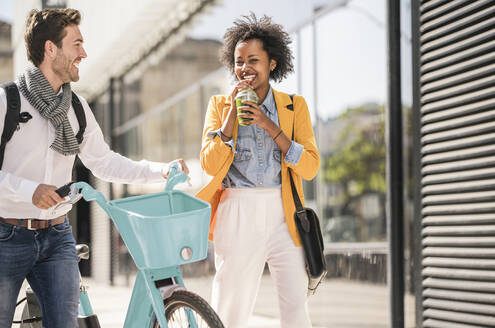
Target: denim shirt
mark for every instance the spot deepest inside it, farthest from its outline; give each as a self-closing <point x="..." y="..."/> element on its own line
<point x="257" y="158"/>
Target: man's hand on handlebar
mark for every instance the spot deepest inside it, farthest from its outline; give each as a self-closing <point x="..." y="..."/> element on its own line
<point x="45" y="196"/>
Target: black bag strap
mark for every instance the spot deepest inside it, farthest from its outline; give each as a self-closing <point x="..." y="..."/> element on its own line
<point x="301" y="213"/>
<point x="297" y="200"/>
<point x="81" y="117"/>
<point x="12" y="114"/>
<point x="291" y="107"/>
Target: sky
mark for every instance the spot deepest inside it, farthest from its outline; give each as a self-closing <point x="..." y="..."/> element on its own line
<point x="351" y="43"/>
<point x="6" y="10"/>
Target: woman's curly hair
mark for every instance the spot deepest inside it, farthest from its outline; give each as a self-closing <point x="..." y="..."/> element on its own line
<point x="275" y="42"/>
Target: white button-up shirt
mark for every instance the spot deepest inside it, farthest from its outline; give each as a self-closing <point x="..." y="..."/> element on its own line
<point x="29" y="161"/>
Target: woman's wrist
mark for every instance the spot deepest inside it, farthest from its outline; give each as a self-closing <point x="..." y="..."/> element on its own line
<point x="277" y="135"/>
<point x="224" y="136"/>
<point x="273" y="130"/>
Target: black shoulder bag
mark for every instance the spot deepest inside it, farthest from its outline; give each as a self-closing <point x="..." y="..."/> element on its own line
<point x="308" y="226"/>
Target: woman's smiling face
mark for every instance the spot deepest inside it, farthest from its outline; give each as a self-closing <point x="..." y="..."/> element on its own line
<point x="251" y="62"/>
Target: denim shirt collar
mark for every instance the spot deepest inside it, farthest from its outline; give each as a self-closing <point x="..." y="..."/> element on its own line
<point x="269" y="102"/>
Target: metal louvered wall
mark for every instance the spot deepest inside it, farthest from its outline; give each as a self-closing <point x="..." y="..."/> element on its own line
<point x="457" y="115"/>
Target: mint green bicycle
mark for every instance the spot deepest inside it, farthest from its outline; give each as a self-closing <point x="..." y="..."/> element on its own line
<point x="162" y="231"/>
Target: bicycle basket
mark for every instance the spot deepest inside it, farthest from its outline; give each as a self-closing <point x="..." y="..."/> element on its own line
<point x="156" y="228"/>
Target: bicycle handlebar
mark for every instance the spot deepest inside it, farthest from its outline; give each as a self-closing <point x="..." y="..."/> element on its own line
<point x="76" y="190"/>
<point x="68" y="189"/>
<point x="175" y="176"/>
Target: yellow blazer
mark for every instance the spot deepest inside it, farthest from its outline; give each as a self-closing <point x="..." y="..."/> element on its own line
<point x="216" y="156"/>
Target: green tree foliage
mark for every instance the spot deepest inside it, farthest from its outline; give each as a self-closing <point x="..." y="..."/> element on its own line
<point x="358" y="164"/>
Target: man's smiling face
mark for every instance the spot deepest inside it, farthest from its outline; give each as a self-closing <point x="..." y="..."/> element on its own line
<point x="69" y="56"/>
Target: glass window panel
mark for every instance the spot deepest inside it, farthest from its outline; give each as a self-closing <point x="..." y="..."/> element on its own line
<point x="170" y="133"/>
<point x="152" y="143"/>
<point x="192" y="122"/>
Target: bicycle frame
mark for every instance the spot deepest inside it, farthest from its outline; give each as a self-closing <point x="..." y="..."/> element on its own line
<point x="146" y="296"/>
<point x="85" y="308"/>
<point x="146" y="302"/>
<point x="154" y="282"/>
<point x="86" y="318"/>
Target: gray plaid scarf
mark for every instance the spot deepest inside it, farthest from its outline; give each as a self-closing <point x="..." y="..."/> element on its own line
<point x="38" y="91"/>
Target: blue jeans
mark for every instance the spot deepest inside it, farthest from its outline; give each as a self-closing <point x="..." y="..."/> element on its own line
<point x="47" y="259"/>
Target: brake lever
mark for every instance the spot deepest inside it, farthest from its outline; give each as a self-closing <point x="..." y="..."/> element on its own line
<point x="68" y="190"/>
<point x="64" y="190"/>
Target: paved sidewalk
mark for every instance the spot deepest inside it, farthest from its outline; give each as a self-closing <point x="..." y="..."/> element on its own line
<point x="110" y="303"/>
<point x="338" y="303"/>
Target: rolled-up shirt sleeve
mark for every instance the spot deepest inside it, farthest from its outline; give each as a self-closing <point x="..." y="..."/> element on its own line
<point x="217" y="133"/>
<point x="294" y="153"/>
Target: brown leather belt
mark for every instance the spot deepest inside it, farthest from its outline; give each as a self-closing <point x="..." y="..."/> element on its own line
<point x="35" y="224"/>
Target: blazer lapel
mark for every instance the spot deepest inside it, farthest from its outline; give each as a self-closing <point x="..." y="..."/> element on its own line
<point x="285" y="112"/>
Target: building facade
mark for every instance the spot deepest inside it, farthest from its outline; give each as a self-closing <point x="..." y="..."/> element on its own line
<point x="6" y="61"/>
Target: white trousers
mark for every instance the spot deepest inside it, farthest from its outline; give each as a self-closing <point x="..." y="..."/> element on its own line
<point x="251" y="230"/>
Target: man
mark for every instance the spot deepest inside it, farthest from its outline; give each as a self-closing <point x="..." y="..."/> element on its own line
<point x="36" y="241"/>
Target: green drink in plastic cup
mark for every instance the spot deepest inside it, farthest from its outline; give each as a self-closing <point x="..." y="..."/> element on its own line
<point x="245" y="95"/>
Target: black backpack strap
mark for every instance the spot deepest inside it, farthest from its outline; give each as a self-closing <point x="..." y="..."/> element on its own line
<point x="81" y="117"/>
<point x="12" y="114"/>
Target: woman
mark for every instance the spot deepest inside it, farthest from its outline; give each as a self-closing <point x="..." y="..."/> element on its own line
<point x="252" y="205"/>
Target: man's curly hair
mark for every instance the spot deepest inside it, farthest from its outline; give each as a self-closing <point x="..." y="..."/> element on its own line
<point x="275" y="42"/>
